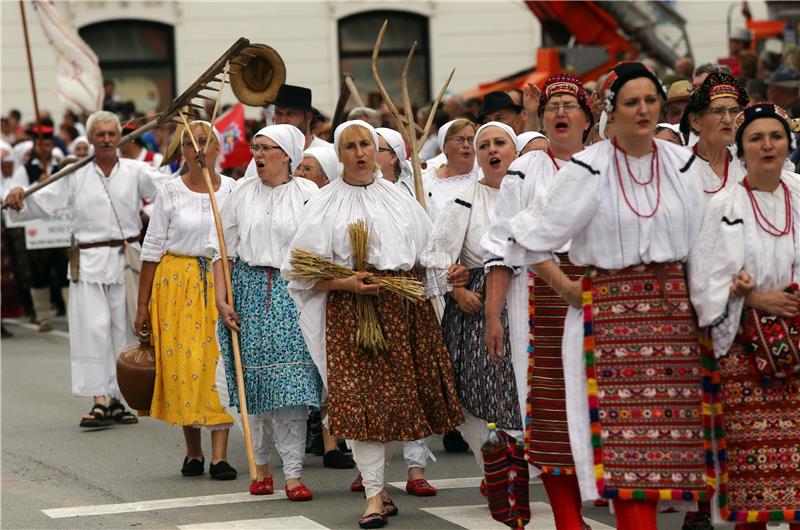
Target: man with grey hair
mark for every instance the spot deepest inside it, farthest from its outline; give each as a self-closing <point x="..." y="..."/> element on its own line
<point x="371" y="116"/>
<point x="104" y="198"/>
<point x="704" y="70"/>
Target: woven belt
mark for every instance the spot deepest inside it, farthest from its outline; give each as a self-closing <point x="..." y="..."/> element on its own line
<point x="110" y="243"/>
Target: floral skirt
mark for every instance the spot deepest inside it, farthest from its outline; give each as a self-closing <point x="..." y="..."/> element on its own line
<point x="405" y="393"/>
<point x="647" y="371"/>
<point x="547" y="433"/>
<point x="278" y="370"/>
<point x="762" y="436"/>
<point x="485" y="383"/>
<point x="183" y="314"/>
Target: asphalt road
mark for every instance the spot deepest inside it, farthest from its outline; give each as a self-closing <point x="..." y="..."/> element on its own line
<point x="49" y="463"/>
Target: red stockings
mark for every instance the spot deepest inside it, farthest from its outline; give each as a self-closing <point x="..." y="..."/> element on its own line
<point x="565" y="499"/>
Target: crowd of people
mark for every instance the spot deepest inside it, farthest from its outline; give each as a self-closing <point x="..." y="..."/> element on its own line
<point x="610" y="272"/>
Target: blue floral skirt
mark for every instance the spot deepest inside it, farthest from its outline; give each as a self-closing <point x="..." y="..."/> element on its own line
<point x="278" y="370"/>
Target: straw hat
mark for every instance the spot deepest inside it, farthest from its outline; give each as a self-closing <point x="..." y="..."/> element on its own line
<point x="258" y="81"/>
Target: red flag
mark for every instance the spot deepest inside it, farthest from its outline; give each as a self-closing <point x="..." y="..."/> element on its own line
<point x="235" y="148"/>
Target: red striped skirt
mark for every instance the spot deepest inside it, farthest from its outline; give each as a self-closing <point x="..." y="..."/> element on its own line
<point x="647" y="371"/>
<point x="546" y="432"/>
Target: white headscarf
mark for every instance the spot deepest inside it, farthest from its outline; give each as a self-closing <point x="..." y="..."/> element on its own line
<point x="395" y="141"/>
<point x="603" y="123"/>
<point x="676" y="128"/>
<point x="80" y="140"/>
<point x="289" y="138"/>
<point x="508" y="130"/>
<point x="443" y="132"/>
<point x="526" y="137"/>
<point x="340" y="129"/>
<point x="327" y="160"/>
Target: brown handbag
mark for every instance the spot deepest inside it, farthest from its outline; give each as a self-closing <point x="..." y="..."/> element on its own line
<point x="136" y="372"/>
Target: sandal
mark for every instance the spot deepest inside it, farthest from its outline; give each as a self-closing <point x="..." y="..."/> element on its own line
<point x="373" y="520"/>
<point x="123" y="417"/>
<point x="100" y="417"/>
<point x="390" y="508"/>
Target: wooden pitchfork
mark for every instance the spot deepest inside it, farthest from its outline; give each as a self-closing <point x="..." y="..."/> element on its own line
<point x="407" y="122"/>
<point x="223" y="251"/>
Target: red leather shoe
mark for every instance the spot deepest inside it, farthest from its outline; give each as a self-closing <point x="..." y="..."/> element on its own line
<point x="483" y="489"/>
<point x="299" y="493"/>
<point x="420" y="487"/>
<point x="262" y="487"/>
<point x="357" y="484"/>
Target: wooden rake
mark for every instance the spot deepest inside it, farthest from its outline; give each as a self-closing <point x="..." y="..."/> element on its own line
<point x="205" y="82"/>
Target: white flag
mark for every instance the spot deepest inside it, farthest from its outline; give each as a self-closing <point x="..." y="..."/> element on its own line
<point x="79" y="82"/>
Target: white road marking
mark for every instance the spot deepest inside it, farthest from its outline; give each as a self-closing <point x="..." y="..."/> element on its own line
<point x="453" y="483"/>
<point x="27" y="325"/>
<point x="159" y="504"/>
<point x="273" y="523"/>
<point x="477" y="517"/>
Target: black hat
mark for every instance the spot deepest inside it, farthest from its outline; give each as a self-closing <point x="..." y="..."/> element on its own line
<point x="623" y="72"/>
<point x="494" y="101"/>
<point x="785" y="77"/>
<point x="294" y="97"/>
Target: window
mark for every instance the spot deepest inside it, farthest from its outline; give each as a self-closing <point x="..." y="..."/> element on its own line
<point x="357" y="34"/>
<point x="138" y="55"/>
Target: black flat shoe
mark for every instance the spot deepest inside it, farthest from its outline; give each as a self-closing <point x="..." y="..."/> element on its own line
<point x="193" y="467"/>
<point x="454" y="443"/>
<point x="337" y="460"/>
<point x="221" y="471"/>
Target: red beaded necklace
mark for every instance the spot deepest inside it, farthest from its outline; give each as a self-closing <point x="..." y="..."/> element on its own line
<point x="653" y="174"/>
<point x="771" y="229"/>
<point x="553" y="158"/>
<point x="762" y="220"/>
<point x="724" y="178"/>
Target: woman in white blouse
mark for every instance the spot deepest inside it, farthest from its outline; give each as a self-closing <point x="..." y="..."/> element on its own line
<point x="709" y="114"/>
<point x="406" y="392"/>
<point x="456" y="140"/>
<point x="176" y="303"/>
<point x="743" y="279"/>
<point x="281" y="382"/>
<point x="632" y="208"/>
<point x="486" y="385"/>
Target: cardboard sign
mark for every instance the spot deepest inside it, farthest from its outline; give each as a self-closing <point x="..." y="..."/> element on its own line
<point x="49" y="233"/>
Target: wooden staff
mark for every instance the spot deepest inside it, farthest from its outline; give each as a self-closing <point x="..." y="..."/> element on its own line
<point x="351" y="85"/>
<point x="30" y="71"/>
<point x="223" y="251"/>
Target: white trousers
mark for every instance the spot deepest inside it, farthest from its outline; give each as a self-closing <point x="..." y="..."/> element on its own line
<point x="98" y="331"/>
<point x="417" y="452"/>
<point x="288" y="436"/>
<point x="370" y="458"/>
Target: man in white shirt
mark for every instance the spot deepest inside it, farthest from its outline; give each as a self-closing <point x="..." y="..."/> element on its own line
<point x="104" y="198"/>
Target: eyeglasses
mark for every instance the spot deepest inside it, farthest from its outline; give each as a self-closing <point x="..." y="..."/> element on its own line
<point x="385" y="150"/>
<point x="720" y="112"/>
<point x="257" y="148"/>
<point x="461" y="139"/>
<point x="566" y="107"/>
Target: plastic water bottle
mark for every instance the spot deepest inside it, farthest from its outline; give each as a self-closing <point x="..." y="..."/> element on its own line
<point x="492" y="439"/>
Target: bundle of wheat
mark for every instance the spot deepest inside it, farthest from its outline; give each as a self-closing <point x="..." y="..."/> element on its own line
<point x="369" y="336"/>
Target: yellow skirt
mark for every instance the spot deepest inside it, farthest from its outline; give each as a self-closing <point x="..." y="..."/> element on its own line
<point x="184" y="316"/>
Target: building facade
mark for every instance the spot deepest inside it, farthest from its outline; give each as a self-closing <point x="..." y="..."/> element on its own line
<point x="153" y="49"/>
